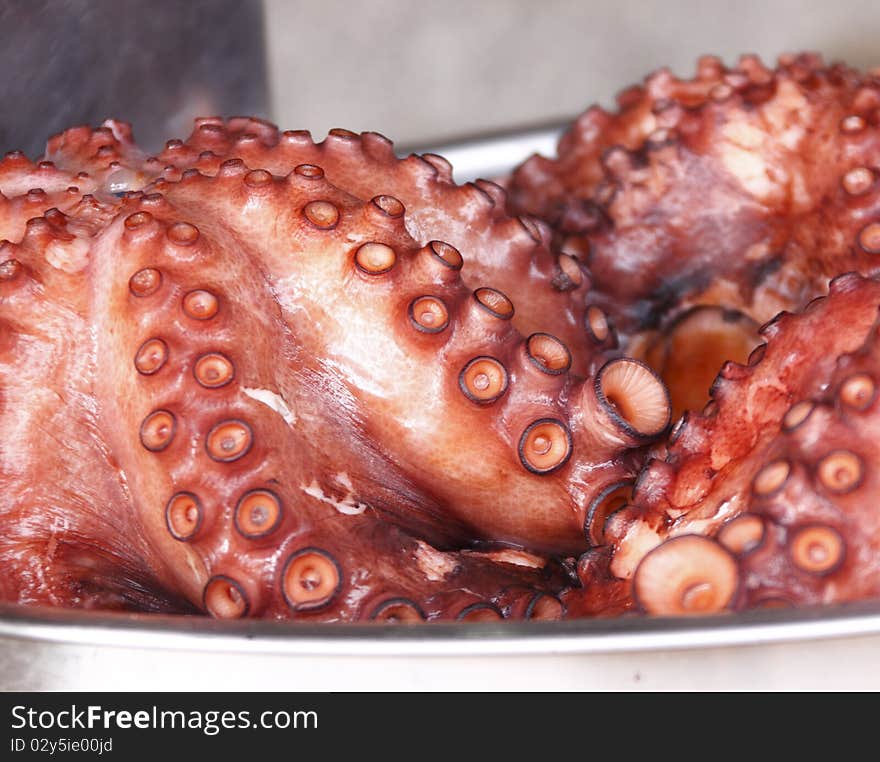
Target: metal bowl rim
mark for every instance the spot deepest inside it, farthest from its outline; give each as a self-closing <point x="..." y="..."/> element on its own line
<point x="597" y="635"/>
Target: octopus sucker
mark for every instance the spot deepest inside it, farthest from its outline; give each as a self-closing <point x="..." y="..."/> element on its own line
<point x="428" y="314"/>
<point x="398" y="611"/>
<point x="258" y="513"/>
<point x="634" y="397"/>
<point x="742" y="534"/>
<point x="310" y="579"/>
<point x="481" y="611"/>
<point x="225" y="598"/>
<point x="689" y="574"/>
<point x="184" y="515"/>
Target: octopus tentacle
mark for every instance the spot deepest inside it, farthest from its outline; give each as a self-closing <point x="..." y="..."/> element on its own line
<point x="69" y="534"/>
<point x="509" y="252"/>
<point x="29" y="190"/>
<point x="764" y="497"/>
<point x="299" y="400"/>
<point x="745" y="189"/>
<point x="537" y="414"/>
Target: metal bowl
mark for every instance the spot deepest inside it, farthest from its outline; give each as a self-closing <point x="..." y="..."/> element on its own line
<point x="817" y="648"/>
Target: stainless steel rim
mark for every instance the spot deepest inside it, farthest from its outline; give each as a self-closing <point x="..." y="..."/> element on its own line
<point x="599" y="635"/>
<point x="494" y="155"/>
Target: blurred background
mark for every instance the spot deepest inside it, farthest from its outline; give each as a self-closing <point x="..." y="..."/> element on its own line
<point x="420" y="72"/>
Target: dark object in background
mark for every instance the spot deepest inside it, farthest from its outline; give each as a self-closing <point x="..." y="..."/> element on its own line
<point x="156" y="64"/>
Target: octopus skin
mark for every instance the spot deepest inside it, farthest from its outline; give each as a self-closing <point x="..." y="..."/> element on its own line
<point x="268" y="390"/>
<point x="768" y="497"/>
<point x="509" y="252"/>
<point x="738" y="193"/>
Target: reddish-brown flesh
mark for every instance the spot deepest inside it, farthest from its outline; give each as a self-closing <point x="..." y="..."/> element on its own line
<point x="218" y="382"/>
<point x="779" y="475"/>
<point x="745" y="188"/>
<point x="262" y="376"/>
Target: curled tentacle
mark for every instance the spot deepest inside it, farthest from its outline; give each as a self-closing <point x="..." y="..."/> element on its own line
<point x="768" y="495"/>
<point x="294" y="396"/>
<point x="745" y="189"/>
